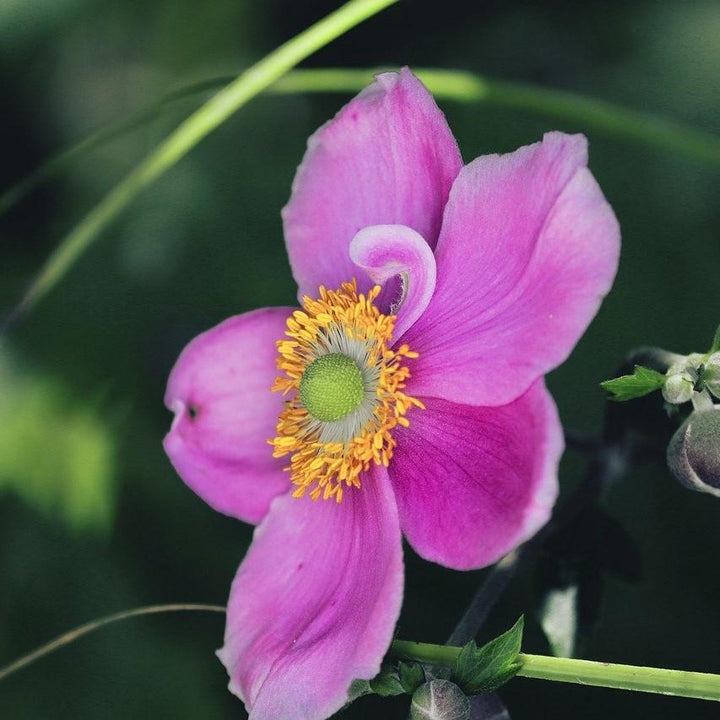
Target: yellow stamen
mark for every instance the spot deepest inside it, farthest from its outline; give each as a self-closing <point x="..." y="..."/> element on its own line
<point x="324" y="469"/>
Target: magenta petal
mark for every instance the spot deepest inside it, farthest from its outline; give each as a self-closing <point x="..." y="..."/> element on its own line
<point x="388" y="157"/>
<point x="315" y="601"/>
<point x="389" y="251"/>
<point x="529" y="247"/>
<point x="472" y="483"/>
<point x="225" y="413"/>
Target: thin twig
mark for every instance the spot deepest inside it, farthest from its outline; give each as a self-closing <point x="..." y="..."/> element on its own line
<point x="78" y="632"/>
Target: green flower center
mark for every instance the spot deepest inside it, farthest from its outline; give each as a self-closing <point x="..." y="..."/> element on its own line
<point x="332" y="387"/>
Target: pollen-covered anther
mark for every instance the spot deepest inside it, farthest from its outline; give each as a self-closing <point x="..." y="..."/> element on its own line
<point x="345" y="391"/>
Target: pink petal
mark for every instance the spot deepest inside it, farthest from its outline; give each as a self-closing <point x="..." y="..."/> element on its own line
<point x="389" y="251"/>
<point x="529" y="247"/>
<point x="388" y="157"/>
<point x="224" y="411"/>
<point x="315" y="601"/>
<point x="472" y="483"/>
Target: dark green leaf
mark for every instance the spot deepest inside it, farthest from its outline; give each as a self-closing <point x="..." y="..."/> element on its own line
<point x="412" y="676"/>
<point x="482" y="670"/>
<point x="628" y="387"/>
<point x="358" y="688"/>
<point x="716" y="341"/>
<point x="387" y="683"/>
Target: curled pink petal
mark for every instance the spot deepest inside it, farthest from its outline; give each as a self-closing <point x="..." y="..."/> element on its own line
<point x="315" y="601"/>
<point x="395" y="251"/>
<point x="528" y="248"/>
<point x="224" y="411"/>
<point x="472" y="483"/>
<point x="388" y="157"/>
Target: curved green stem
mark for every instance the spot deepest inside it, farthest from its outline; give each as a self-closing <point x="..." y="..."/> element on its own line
<point x="266" y="76"/>
<point x="78" y="632"/>
<point x="704" y="686"/>
<point x="203" y="121"/>
<point x="454" y="85"/>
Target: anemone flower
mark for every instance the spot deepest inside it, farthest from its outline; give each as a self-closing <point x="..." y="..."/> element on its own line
<point x="406" y="396"/>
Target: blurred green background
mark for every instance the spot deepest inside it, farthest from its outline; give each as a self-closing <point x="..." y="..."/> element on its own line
<point x="92" y="517"/>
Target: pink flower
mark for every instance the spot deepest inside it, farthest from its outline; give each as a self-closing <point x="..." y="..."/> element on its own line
<point x="420" y="410"/>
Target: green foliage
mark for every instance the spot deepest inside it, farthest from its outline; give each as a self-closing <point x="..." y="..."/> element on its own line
<point x="405" y="678"/>
<point x="628" y="387"/>
<point x="55" y="455"/>
<point x="481" y="670"/>
<point x="716" y="342"/>
<point x="387" y="683"/>
<point x="412" y="676"/>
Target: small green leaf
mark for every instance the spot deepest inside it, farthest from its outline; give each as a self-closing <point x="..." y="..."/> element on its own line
<point x="358" y="688"/>
<point x="716" y="342"/>
<point x="412" y="676"/>
<point x="387" y="683"/>
<point x="482" y="670"/>
<point x="628" y="387"/>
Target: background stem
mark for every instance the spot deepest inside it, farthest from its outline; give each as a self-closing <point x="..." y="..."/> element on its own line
<point x="453" y="85"/>
<point x="203" y="121"/>
<point x="78" y="632"/>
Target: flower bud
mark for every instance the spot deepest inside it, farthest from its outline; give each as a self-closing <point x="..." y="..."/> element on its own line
<point x="693" y="454"/>
<point x="439" y="700"/>
<point x="678" y="388"/>
<point x="711" y="374"/>
<point x="681" y="379"/>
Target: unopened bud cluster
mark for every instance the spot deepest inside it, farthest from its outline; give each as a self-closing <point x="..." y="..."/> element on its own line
<point x="693" y="454"/>
<point x="682" y="378"/>
<point x="693" y="373"/>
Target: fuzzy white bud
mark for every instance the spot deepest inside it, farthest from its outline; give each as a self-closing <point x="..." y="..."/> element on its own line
<point x="693" y="454"/>
<point x="439" y="700"/>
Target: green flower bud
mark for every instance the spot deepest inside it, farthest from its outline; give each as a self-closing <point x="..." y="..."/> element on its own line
<point x="439" y="700"/>
<point x="693" y="454"/>
<point x="711" y="374"/>
<point x="678" y="388"/>
<point x="682" y="377"/>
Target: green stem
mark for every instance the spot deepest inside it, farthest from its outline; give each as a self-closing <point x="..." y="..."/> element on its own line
<point x="203" y="121"/>
<point x="78" y="632"/>
<point x="267" y="76"/>
<point x="589" y="112"/>
<point x="454" y="85"/>
<point x="681" y="683"/>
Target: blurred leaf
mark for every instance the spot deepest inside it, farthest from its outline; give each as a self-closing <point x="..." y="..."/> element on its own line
<point x="580" y="555"/>
<point x="54" y="454"/>
<point x="27" y="18"/>
<point x="482" y="670"/>
<point x="642" y="382"/>
<point x="559" y="619"/>
<point x="617" y="550"/>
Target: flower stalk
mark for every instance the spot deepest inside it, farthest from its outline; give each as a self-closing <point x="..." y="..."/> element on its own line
<point x="201" y="123"/>
<point x="681" y="683"/>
